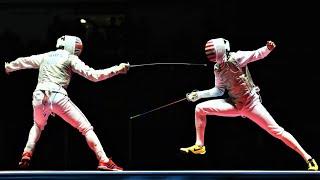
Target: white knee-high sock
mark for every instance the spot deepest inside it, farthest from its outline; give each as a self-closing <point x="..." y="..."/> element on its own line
<point x="96" y="146"/>
<point x="200" y="123"/>
<point x="33" y="138"/>
<point x="290" y="141"/>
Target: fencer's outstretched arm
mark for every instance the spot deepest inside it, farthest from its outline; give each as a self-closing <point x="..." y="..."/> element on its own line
<point x="213" y="92"/>
<point x="245" y="57"/>
<point x="84" y="70"/>
<point x="216" y="91"/>
<point x="31" y="62"/>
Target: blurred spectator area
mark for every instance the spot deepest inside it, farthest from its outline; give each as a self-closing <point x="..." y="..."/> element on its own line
<point x="34" y="27"/>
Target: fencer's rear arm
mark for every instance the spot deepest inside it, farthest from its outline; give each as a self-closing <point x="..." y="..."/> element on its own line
<point x="31" y="62"/>
<point x="245" y="57"/>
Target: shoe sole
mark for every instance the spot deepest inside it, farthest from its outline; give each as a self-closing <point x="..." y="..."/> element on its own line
<point x="189" y="151"/>
<point x="103" y="168"/>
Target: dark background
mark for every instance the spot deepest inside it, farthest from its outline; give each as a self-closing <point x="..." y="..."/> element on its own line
<point x="159" y="31"/>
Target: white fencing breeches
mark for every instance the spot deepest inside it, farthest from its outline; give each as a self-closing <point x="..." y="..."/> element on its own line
<point x="46" y="103"/>
<point x="257" y="113"/>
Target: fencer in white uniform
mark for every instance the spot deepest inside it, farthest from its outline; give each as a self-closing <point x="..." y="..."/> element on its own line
<point x="50" y="95"/>
<point x="232" y="74"/>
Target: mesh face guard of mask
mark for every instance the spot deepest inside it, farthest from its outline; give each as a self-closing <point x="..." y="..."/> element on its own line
<point x="216" y="49"/>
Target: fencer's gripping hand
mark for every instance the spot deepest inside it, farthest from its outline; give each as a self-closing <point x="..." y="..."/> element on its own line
<point x="123" y="68"/>
<point x="193" y="96"/>
<point x="270" y="45"/>
<point x="5" y="68"/>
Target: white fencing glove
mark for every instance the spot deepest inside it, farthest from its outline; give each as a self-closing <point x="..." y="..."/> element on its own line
<point x="123" y="68"/>
<point x="193" y="96"/>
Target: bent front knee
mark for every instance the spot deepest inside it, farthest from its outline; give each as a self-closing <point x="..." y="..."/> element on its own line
<point x="199" y="110"/>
